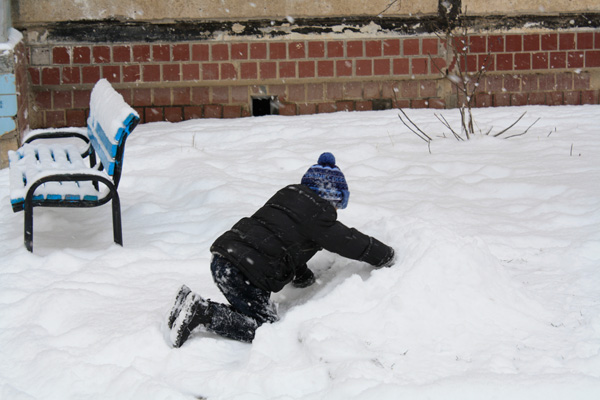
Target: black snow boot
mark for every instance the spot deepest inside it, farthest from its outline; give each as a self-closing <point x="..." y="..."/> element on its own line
<point x="195" y="312"/>
<point x="179" y="299"/>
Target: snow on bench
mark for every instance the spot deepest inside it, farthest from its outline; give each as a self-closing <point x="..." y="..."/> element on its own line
<point x="50" y="169"/>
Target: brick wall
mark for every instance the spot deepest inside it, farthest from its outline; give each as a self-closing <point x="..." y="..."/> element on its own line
<point x="217" y="79"/>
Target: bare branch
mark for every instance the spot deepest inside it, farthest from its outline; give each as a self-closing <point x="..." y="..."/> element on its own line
<point x="415" y="125"/>
<point x="443" y="120"/>
<point x="521" y="134"/>
<point x="513" y="124"/>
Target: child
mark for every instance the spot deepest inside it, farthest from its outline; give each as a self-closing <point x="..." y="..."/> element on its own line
<point x="263" y="253"/>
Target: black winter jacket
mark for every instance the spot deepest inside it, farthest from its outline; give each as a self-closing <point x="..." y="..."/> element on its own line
<point x="275" y="243"/>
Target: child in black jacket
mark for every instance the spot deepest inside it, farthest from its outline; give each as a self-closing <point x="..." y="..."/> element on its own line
<point x="263" y="253"/>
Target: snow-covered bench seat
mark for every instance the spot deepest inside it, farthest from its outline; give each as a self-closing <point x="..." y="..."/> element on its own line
<point x="51" y="170"/>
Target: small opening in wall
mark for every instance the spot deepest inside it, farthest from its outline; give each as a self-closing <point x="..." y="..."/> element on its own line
<point x="264" y="105"/>
<point x="382" y="104"/>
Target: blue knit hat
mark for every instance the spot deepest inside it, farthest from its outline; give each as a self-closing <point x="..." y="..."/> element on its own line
<point x="326" y="179"/>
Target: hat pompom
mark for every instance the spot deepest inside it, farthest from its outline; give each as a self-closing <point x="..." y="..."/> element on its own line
<point x="327" y="160"/>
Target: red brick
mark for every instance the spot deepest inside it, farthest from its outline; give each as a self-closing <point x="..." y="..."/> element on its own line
<point x="409" y="89"/>
<point x="592" y="59"/>
<point x="153" y="114"/>
<point x="522" y="61"/>
<point x="171" y="73"/>
<point x="161" y="96"/>
<point x="391" y="47"/>
<point x="126" y="93"/>
<point x="210" y="72"/>
<point x="437" y="103"/>
<point x="558" y="60"/>
<point x="514" y="43"/>
<point x="101" y="54"/>
<point x="495" y="44"/>
<point x="483" y="100"/>
<point x="200" y="95"/>
<point x="364" y="67"/>
<point x="335" y="49"/>
<point x="232" y="112"/>
<point x="364" y="105"/>
<point x="401" y="66"/>
<point x="173" y="114"/>
<point x="213" y="111"/>
<point x="547" y="82"/>
<point x="151" y="73"/>
<point x="71" y="75"/>
<point x="494" y="83"/>
<point x="438" y="65"/>
<point x="428" y="88"/>
<point x="572" y="98"/>
<point x="581" y="81"/>
<point x="307" y="109"/>
<point x="411" y="47"/>
<point x="297" y="50"/>
<point x="430" y="46"/>
<point x="381" y="67"/>
<point x="142" y="97"/>
<point x="354" y="48"/>
<point x="239" y="51"/>
<point x="597" y="39"/>
<point x="373" y="48"/>
<point x="314" y="92"/>
<point x="512" y="83"/>
<point x="181" y="52"/>
<point x="62" y="99"/>
<point x="81" y="98"/>
<point x="477" y="44"/>
<point x="228" y="71"/>
<point x="55" y="119"/>
<point x="539" y="61"/>
<point x="287" y="69"/>
<point x="141" y="53"/>
<point x="82" y="55"/>
<point x="419" y="66"/>
<point x="529" y="83"/>
<point x="316" y="49"/>
<point x="352" y="90"/>
<point x="50" y="76"/>
<point x="161" y="52"/>
<point x="564" y="81"/>
<point x="60" y="55"/>
<point x="566" y="41"/>
<point x="585" y="40"/>
<point x="323" y="108"/>
<point x="504" y="62"/>
<point x="486" y="61"/>
<point x="297" y="93"/>
<point x="121" y="54"/>
<point x="76" y="118"/>
<point x="200" y="52"/>
<point x="589" y="97"/>
<point x="306" y="69"/>
<point x="192" y="112"/>
<point x="575" y="59"/>
<point x="518" y="99"/>
<point x="344" y="105"/>
<point x="268" y="70"/>
<point x="325" y="68"/>
<point x="549" y="41"/>
<point x="287" y="109"/>
<point x="239" y="94"/>
<point x="501" y="99"/>
<point x="190" y="72"/>
<point x="277" y="51"/>
<point x="258" y="51"/>
<point x="90" y="74"/>
<point x="554" y="99"/>
<point x="220" y="52"/>
<point x="531" y="42"/>
<point x="43" y="100"/>
<point x="390" y="89"/>
<point x="249" y="70"/>
<point x="334" y="91"/>
<point x="418" y="103"/>
<point x="343" y="68"/>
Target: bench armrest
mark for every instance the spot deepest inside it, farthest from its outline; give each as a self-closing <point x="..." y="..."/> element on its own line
<point x="85" y="147"/>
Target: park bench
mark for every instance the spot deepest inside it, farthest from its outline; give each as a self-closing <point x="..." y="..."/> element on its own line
<point x="50" y="170"/>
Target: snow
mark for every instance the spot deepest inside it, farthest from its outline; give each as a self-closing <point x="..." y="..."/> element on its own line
<point x="495" y="293"/>
<point x="14" y="38"/>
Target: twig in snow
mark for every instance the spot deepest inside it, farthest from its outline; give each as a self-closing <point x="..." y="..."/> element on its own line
<point x="513" y="124"/>
<point x="526" y="130"/>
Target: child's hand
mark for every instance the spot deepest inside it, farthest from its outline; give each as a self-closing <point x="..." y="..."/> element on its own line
<point x="306" y="279"/>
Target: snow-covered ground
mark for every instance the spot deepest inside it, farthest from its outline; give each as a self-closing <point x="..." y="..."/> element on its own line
<point x="495" y="293"/>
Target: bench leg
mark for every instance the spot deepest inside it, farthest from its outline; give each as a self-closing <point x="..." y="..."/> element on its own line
<point x="28" y="229"/>
<point x="116" y="215"/>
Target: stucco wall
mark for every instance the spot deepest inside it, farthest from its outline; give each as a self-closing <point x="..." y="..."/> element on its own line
<point x="34" y="11"/>
<point x="518" y="7"/>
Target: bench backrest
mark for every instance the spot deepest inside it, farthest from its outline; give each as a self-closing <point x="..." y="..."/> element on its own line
<point x="111" y="120"/>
